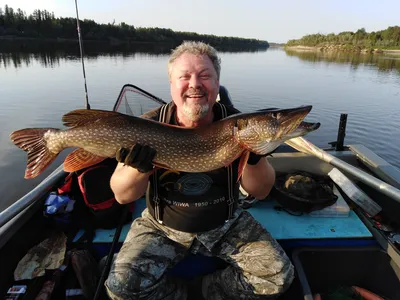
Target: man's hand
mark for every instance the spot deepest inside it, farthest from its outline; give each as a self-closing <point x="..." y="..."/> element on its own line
<point x="258" y="177"/>
<point x="138" y="157"/>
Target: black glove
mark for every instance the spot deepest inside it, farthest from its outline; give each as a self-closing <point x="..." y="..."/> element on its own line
<point x="138" y="157"/>
<point x="254" y="158"/>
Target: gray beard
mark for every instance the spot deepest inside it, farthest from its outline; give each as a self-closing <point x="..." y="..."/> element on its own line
<point x="195" y="113"/>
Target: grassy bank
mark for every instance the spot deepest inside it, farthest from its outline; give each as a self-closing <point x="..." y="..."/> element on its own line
<point x="345" y="48"/>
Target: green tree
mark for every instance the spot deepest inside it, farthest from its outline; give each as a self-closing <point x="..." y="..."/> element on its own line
<point x="389" y="37"/>
<point x="42" y="23"/>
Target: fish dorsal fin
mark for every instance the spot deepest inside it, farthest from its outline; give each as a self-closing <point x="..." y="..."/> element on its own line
<point x="80" y="159"/>
<point x="80" y="117"/>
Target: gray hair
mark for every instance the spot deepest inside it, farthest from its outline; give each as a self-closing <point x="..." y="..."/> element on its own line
<point x="196" y="48"/>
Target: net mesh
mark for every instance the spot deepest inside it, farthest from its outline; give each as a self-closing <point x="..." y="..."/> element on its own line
<point x="134" y="102"/>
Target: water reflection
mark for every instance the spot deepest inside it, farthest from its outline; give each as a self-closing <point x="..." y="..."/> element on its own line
<point x="18" y="53"/>
<point x="382" y="62"/>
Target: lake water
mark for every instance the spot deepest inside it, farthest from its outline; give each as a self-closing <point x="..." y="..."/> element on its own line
<point x="37" y="88"/>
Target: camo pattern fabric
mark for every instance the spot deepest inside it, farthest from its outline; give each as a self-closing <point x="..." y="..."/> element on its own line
<point x="258" y="266"/>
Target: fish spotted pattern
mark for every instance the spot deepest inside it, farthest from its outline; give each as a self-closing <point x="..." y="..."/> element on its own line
<point x="99" y="134"/>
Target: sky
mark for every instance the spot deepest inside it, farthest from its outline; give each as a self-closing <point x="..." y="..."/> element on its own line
<point x="274" y="21"/>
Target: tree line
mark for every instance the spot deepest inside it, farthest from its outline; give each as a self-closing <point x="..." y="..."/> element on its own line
<point x="384" y="39"/>
<point x="43" y="24"/>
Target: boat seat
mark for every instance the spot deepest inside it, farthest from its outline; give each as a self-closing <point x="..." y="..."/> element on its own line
<point x="279" y="223"/>
<point x="291" y="231"/>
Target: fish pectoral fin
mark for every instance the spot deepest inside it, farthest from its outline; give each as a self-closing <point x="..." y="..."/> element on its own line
<point x="168" y="172"/>
<point x="81" y="117"/>
<point x="160" y="166"/>
<point x="80" y="159"/>
<point x="242" y="163"/>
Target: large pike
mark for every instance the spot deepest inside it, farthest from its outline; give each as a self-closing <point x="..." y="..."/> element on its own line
<point x="99" y="134"/>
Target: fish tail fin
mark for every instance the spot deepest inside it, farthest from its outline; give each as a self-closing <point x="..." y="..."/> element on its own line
<point x="33" y="142"/>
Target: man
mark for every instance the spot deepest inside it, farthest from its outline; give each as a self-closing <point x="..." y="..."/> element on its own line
<point x="191" y="212"/>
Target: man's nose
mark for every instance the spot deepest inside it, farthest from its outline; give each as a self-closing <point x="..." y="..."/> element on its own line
<point x="194" y="81"/>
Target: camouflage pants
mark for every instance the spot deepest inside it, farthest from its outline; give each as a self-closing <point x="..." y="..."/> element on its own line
<point x="258" y="266"/>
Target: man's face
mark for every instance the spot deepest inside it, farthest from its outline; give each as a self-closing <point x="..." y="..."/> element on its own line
<point x="194" y="85"/>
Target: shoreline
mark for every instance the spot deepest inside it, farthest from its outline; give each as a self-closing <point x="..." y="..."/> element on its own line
<point x="70" y="40"/>
<point x="342" y="48"/>
<point x="115" y="41"/>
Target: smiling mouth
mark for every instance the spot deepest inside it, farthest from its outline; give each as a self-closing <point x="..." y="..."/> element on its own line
<point x="195" y="96"/>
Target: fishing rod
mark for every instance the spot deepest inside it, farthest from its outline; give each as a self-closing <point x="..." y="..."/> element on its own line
<point x="78" y="28"/>
<point x="109" y="259"/>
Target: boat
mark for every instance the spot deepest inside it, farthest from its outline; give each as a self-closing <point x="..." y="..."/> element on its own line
<point x="344" y="246"/>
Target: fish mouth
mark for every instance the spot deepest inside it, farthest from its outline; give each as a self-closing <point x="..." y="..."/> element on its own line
<point x="303" y="129"/>
<point x="307" y="126"/>
<point x="292" y="114"/>
<point x="289" y="119"/>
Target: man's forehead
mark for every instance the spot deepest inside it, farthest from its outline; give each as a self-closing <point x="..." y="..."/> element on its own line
<point x="191" y="62"/>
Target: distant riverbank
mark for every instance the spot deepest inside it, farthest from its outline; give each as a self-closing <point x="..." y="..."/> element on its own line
<point x="344" y="48"/>
<point x="385" y="41"/>
<point x="13" y="44"/>
<point x="45" y="27"/>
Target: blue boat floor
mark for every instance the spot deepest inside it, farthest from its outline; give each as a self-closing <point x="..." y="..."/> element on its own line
<point x="280" y="224"/>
